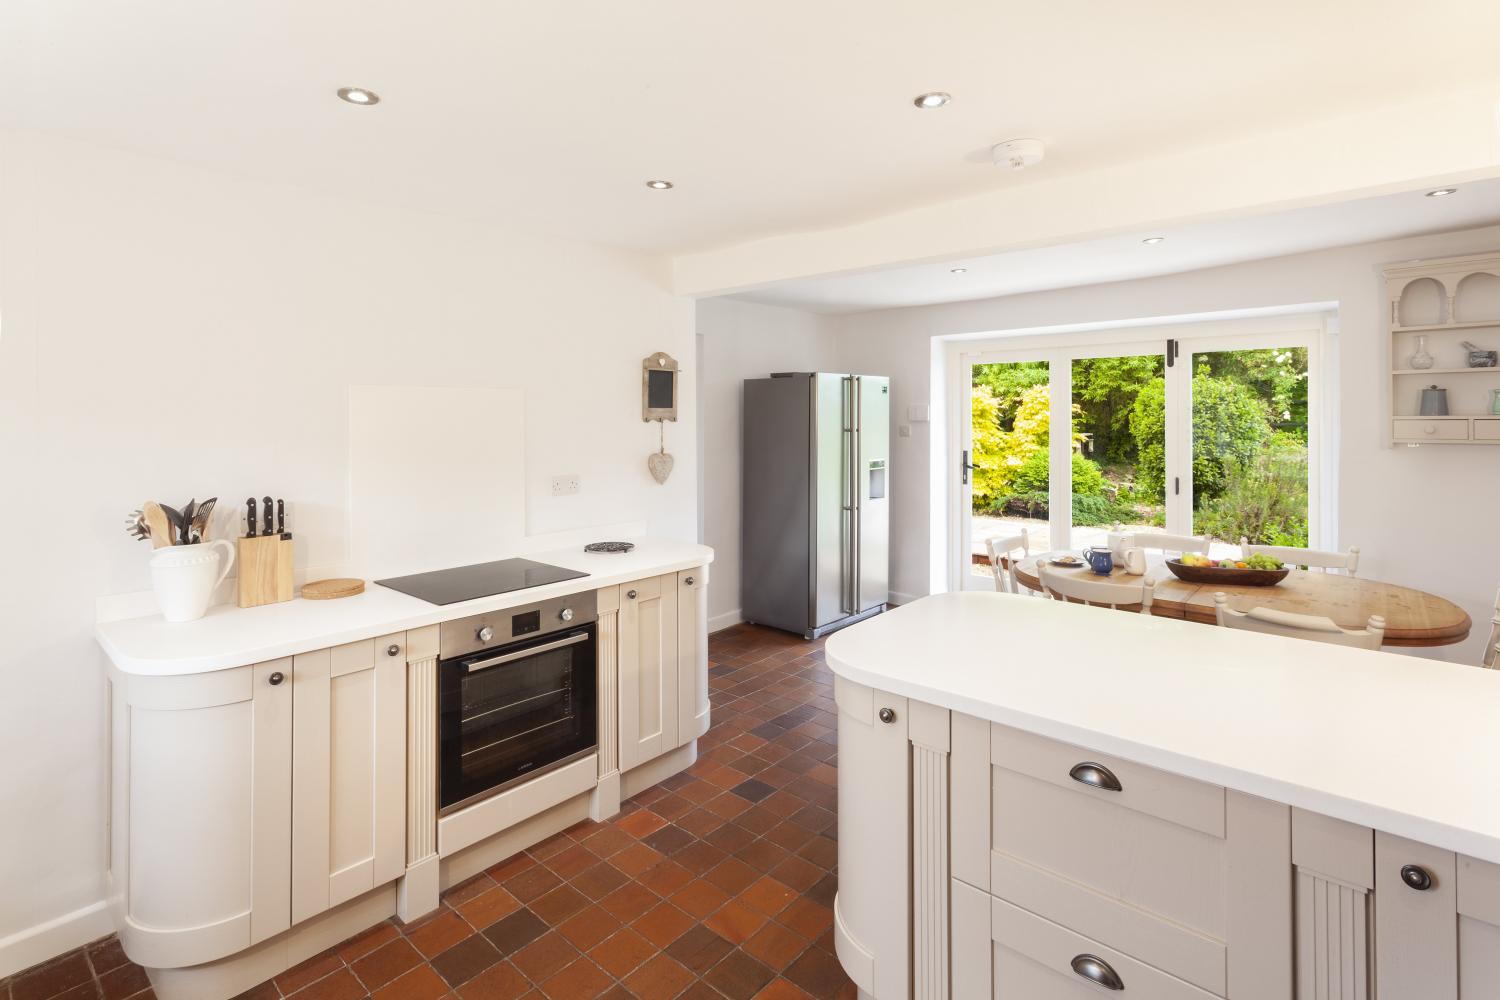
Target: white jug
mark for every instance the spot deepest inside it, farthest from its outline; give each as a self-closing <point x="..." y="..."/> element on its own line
<point x="185" y="577"/>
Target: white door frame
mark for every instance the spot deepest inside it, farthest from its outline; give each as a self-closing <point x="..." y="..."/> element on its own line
<point x="1309" y="330"/>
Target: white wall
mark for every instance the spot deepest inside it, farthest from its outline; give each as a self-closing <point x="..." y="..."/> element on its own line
<point x="168" y="332"/>
<point x="1423" y="517"/>
<point x="741" y="340"/>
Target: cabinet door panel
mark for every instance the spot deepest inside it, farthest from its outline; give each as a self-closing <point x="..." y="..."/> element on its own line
<point x="1416" y="931"/>
<point x="648" y="669"/>
<point x="349" y="772"/>
<point x="692" y="654"/>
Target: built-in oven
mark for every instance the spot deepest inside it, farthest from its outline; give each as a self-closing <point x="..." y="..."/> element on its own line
<point x="517" y="696"/>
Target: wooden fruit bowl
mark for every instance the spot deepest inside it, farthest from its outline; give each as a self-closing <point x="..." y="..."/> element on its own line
<point x="1228" y="577"/>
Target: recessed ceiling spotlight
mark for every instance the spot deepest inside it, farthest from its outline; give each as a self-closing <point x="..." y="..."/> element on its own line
<point x="1151" y="241"/>
<point x="935" y="99"/>
<point x="1442" y="192"/>
<point x="359" y="95"/>
<point x="958" y="270"/>
<point x="659" y="185"/>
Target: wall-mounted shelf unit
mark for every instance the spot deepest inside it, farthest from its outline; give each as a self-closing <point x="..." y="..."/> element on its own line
<point x="1445" y="301"/>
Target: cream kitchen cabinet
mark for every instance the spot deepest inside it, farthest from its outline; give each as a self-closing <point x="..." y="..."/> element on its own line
<point x="198" y="861"/>
<point x="663" y="664"/>
<point x="244" y="801"/>
<point x="348" y="771"/>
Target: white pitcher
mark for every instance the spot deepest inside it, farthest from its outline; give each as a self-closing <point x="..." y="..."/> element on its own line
<point x="185" y="577"/>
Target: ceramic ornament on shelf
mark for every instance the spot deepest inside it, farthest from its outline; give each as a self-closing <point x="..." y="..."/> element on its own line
<point x="659" y="403"/>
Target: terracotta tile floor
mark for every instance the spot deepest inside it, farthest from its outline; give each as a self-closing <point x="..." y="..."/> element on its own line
<point x="717" y="883"/>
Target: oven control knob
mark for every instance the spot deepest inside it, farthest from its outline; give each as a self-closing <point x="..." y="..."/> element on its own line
<point x="485" y="634"/>
<point x="566" y="614"/>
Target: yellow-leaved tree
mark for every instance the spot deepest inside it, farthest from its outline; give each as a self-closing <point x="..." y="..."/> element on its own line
<point x="998" y="454"/>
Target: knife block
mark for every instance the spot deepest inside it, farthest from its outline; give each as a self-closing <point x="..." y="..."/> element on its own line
<point x="265" y="570"/>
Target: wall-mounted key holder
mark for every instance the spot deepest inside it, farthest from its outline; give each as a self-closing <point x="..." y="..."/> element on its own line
<point x="266" y="555"/>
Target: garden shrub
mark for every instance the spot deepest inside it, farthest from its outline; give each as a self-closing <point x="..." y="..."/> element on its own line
<point x="1264" y="499"/>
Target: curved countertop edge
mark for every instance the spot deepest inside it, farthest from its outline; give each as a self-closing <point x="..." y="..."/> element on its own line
<point x="230" y="636"/>
<point x="1437" y="810"/>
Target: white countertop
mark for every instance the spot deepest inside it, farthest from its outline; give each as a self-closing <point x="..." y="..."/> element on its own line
<point x="1400" y="744"/>
<point x="230" y="636"/>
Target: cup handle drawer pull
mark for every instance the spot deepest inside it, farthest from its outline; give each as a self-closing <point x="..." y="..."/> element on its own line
<point x="1096" y="775"/>
<point x="1096" y="970"/>
<point x="1417" y="877"/>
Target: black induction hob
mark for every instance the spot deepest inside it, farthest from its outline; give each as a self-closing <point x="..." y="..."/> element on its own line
<point x="465" y="583"/>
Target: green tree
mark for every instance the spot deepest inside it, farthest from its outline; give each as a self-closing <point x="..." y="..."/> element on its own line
<point x="1264" y="500"/>
<point x="1230" y="424"/>
<point x="1105" y="390"/>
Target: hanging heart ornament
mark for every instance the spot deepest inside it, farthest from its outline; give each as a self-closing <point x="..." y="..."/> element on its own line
<point x="660" y="464"/>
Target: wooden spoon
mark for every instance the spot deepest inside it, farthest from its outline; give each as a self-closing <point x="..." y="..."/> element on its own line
<point x="157" y="524"/>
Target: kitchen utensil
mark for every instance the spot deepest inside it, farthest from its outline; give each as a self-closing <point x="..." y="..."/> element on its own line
<point x="179" y="524"/>
<point x="198" y="529"/>
<point x="1228" y="577"/>
<point x="328" y="590"/>
<point x="1100" y="560"/>
<point x="250" y="517"/>
<point x="1135" y="562"/>
<point x="157" y="525"/>
<point x="185" y="577"/>
<point x="1118" y="541"/>
<point x="1420" y="359"/>
<point x="1068" y="562"/>
<point x="280" y="517"/>
<point x="1434" y="402"/>
<point x="135" y="525"/>
<point x="266" y="514"/>
<point x="1479" y="357"/>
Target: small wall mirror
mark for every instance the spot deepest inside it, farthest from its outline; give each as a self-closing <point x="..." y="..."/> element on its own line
<point x="658" y="388"/>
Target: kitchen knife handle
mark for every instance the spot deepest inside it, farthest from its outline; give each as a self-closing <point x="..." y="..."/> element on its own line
<point x="266" y="514"/>
<point x="280" y="517"/>
<point x="250" y="517"/>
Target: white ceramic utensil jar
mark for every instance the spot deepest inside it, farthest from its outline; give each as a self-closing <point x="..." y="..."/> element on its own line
<point x="185" y="577"/>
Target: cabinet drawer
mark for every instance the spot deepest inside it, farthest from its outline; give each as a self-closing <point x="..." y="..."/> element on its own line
<point x="1183" y="801"/>
<point x="1487" y="430"/>
<point x="1040" y="960"/>
<point x="1430" y="429"/>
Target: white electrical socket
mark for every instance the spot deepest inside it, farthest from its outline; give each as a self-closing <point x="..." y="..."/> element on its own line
<point x="565" y="486"/>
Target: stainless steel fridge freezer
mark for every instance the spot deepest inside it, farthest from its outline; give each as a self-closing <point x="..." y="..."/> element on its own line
<point x="815" y="507"/>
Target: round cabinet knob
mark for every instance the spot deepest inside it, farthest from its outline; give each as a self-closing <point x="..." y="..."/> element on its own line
<point x="690" y="581"/>
<point x="1430" y="429"/>
<point x="566" y="614"/>
<point x="392" y="649"/>
<point x="887" y="715"/>
<point x="485" y="634"/>
<point x="1417" y="877"/>
<point x="277" y="678"/>
<point x="631" y="595"/>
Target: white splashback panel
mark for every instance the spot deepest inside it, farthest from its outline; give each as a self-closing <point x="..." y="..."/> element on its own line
<point x="437" y="476"/>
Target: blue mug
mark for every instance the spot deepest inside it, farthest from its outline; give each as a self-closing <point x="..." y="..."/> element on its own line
<point x="1099" y="560"/>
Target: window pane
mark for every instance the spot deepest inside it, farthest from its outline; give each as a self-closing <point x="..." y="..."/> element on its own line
<point x="1119" y="446"/>
<point x="1009" y="414"/>
<point x="1250" y="446"/>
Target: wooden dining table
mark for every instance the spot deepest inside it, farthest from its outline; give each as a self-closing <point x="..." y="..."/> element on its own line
<point x="1412" y="617"/>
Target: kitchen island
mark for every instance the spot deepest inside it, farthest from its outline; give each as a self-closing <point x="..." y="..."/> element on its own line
<point x="1095" y="800"/>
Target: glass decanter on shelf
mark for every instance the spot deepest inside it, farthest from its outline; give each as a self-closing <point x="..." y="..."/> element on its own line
<point x="1420" y="359"/>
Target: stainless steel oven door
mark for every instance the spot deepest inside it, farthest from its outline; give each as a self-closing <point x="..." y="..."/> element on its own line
<point x="511" y="713"/>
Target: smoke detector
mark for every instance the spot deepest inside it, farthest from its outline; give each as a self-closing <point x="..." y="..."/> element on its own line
<point x="1018" y="154"/>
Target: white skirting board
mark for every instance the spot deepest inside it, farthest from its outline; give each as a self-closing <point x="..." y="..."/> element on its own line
<point x="35" y="945"/>
<point x="728" y="619"/>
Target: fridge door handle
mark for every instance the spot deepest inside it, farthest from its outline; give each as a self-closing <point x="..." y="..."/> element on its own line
<point x="846" y="569"/>
<point x="855" y="491"/>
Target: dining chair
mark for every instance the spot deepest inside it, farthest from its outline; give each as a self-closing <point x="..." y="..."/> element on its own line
<point x="1163" y="542"/>
<point x="1121" y="593"/>
<point x="1311" y="558"/>
<point x="1003" y="560"/>
<point x="1314" y="627"/>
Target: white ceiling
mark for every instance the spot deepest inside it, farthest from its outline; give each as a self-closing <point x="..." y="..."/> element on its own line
<point x="1122" y="257"/>
<point x="772" y="117"/>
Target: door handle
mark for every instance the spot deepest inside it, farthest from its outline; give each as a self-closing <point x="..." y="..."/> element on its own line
<point x="1097" y="970"/>
<point x="966" y="467"/>
<point x="522" y="654"/>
